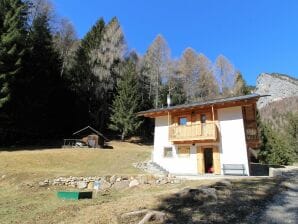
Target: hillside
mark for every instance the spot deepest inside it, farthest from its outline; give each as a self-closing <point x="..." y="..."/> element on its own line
<point x="278" y="86"/>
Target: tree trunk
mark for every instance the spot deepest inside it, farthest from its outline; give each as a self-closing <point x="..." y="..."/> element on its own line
<point x="122" y="136"/>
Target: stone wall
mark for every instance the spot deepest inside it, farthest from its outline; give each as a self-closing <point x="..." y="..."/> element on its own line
<point x="107" y="182"/>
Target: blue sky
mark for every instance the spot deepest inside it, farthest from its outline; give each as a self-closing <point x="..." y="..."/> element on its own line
<point x="255" y="35"/>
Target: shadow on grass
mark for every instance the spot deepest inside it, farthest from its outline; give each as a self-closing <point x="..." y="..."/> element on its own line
<point x="233" y="205"/>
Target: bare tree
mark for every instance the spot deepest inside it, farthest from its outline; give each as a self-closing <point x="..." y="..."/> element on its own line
<point x="226" y="74"/>
<point x="65" y="41"/>
<point x="207" y="85"/>
<point x="188" y="69"/>
<point x="156" y="67"/>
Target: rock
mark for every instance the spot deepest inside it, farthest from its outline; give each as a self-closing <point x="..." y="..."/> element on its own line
<point x="143" y="179"/>
<point x="90" y="185"/>
<point x="82" y="184"/>
<point x="118" y="179"/>
<point x="134" y="183"/>
<point x="176" y="181"/>
<point x="206" y="194"/>
<point x="223" y="183"/>
<point x="277" y="86"/>
<point x="104" y="185"/>
<point x="3" y="176"/>
<point x="43" y="184"/>
<point x="113" y="179"/>
<point x="121" y="185"/>
<point x="163" y="181"/>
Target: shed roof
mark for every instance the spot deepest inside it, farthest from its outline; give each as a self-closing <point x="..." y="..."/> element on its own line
<point x="244" y="98"/>
<point x="92" y="129"/>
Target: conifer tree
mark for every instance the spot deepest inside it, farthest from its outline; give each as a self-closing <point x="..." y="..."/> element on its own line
<point x="12" y="34"/>
<point x="126" y="103"/>
<point x="41" y="81"/>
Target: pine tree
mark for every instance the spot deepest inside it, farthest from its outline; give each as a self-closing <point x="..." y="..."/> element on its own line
<point x="275" y="148"/>
<point x="12" y="35"/>
<point x="126" y="103"/>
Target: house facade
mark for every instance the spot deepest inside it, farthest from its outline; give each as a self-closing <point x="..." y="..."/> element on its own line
<point x="206" y="137"/>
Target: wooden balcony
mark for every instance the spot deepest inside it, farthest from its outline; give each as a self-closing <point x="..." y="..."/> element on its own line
<point x="193" y="132"/>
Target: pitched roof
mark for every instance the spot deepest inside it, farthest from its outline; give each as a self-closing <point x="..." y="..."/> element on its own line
<point x="203" y="103"/>
<point x="92" y="129"/>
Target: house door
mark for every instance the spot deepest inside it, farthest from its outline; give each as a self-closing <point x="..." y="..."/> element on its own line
<point x="208" y="160"/>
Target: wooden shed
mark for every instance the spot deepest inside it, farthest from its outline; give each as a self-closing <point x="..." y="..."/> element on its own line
<point x="91" y="137"/>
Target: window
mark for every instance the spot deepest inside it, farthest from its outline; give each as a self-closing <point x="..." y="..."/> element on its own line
<point x="183" y="151"/>
<point x="182" y="120"/>
<point x="203" y="118"/>
<point x="168" y="152"/>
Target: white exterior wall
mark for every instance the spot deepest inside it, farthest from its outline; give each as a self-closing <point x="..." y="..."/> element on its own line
<point x="175" y="164"/>
<point x="233" y="143"/>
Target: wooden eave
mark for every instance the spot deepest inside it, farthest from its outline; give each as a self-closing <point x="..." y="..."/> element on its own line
<point x="189" y="109"/>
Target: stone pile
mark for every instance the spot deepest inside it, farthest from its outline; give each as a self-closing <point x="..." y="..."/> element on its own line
<point x="110" y="182"/>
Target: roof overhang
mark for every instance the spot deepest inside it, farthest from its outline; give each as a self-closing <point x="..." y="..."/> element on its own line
<point x="216" y="103"/>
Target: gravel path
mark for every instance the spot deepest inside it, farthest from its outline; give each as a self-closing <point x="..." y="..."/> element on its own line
<point x="283" y="208"/>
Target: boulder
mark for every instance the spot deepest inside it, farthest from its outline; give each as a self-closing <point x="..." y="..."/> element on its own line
<point x="43" y="184"/>
<point x="104" y="185"/>
<point x="82" y="184"/>
<point x="90" y="185"/>
<point x="134" y="183"/>
<point x="113" y="179"/>
<point x="223" y="183"/>
<point x="121" y="184"/>
<point x="206" y="194"/>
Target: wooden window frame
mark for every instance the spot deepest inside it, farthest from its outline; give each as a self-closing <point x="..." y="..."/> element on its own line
<point x="165" y="155"/>
<point x="183" y="155"/>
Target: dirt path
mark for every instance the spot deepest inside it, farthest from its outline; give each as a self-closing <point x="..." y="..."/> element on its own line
<point x="283" y="208"/>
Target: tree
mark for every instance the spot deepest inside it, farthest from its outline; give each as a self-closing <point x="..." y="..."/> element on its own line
<point x="156" y="67"/>
<point x="104" y="60"/>
<point x="240" y="88"/>
<point x="126" y="103"/>
<point x="226" y="74"/>
<point x="188" y="68"/>
<point x="275" y="148"/>
<point x="65" y="41"/>
<point x="292" y="131"/>
<point x="12" y="34"/>
<point x="41" y="85"/>
<point x="207" y="86"/>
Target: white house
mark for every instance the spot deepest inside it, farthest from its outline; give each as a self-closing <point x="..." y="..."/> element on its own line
<point x="206" y="137"/>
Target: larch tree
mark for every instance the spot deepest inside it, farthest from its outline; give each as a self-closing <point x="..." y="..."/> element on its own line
<point x="156" y="67"/>
<point x="207" y="86"/>
<point x="126" y="102"/>
<point x="189" y="72"/>
<point x="13" y="18"/>
<point x="225" y="72"/>
<point x="104" y="60"/>
<point x="65" y="41"/>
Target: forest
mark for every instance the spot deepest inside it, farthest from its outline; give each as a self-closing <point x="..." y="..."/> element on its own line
<point x="52" y="82"/>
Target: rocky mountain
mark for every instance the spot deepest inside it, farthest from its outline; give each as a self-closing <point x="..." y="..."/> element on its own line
<point x="278" y="86"/>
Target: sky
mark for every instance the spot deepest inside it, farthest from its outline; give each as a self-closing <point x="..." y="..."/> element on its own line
<point x="255" y="35"/>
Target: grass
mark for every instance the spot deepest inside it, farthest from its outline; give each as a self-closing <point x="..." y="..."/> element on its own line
<point x="22" y="201"/>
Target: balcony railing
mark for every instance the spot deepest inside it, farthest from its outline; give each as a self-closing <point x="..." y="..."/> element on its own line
<point x="193" y="132"/>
